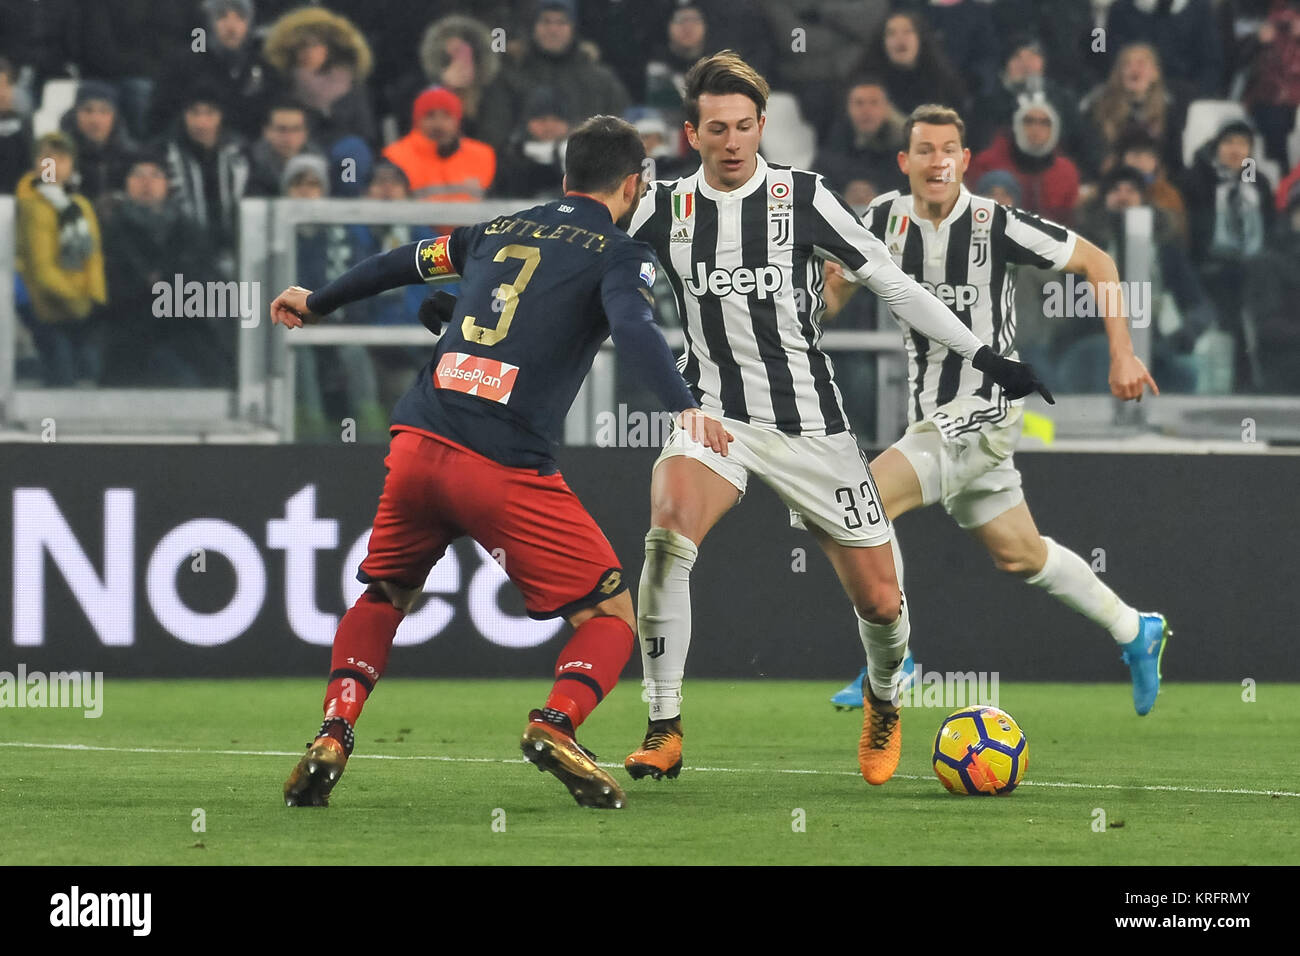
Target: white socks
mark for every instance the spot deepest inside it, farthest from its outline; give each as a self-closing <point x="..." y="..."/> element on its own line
<point x="1067" y="577"/>
<point x="664" y="618"/>
<point x="886" y="644"/>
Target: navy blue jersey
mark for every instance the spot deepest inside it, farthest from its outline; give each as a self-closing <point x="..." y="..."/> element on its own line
<point x="539" y="292"/>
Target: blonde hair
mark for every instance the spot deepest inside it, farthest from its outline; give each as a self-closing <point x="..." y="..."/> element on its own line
<point x="1111" y="112"/>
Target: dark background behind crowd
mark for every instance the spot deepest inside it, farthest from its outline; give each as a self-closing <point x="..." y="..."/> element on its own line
<point x="1075" y="110"/>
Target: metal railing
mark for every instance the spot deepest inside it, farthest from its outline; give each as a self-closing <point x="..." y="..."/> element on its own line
<point x="260" y="404"/>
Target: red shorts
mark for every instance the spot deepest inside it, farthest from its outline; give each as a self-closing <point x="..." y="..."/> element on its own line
<point x="436" y="491"/>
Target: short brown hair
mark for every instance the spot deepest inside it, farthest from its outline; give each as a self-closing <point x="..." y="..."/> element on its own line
<point x="934" y="115"/>
<point x="724" y="72"/>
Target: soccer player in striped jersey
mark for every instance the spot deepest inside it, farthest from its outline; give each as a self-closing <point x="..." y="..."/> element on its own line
<point x="743" y="243"/>
<point x="963" y="428"/>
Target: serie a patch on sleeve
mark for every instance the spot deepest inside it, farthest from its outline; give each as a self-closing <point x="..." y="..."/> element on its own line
<point x="432" y="258"/>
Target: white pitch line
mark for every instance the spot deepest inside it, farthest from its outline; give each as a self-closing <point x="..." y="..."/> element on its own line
<point x="1155" y="787"/>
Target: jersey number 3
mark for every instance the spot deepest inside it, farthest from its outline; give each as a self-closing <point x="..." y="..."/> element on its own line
<point x="505" y="298"/>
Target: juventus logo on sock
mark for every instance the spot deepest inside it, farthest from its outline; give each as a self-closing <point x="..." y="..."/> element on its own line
<point x="655" y="647"/>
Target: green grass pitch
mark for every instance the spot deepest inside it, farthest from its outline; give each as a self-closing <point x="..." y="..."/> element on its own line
<point x="1205" y="779"/>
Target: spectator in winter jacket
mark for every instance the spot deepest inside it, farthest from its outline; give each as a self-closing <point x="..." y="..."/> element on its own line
<point x="208" y="174"/>
<point x="15" y="132"/>
<point x="1049" y="181"/>
<point x="456" y="53"/>
<point x="99" y="134"/>
<point x="1141" y="152"/>
<point x="1135" y="97"/>
<point x="60" y="259"/>
<point x="1273" y="78"/>
<point x="1230" y="211"/>
<point x="1230" y="205"/>
<point x="324" y="252"/>
<point x="864" y="142"/>
<point x="532" y="163"/>
<point x="322" y="60"/>
<point x="230" y="61"/>
<point x="554" y="60"/>
<point x="1184" y="34"/>
<point x="146" y="241"/>
<point x="1024" y="73"/>
<point x="1103" y="221"/>
<point x="284" y="136"/>
<point x="913" y="66"/>
<point x="439" y="163"/>
<point x="665" y="74"/>
<point x="966" y="30"/>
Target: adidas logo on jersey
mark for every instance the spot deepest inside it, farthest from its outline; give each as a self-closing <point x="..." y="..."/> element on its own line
<point x="742" y="281"/>
<point x="681" y="235"/>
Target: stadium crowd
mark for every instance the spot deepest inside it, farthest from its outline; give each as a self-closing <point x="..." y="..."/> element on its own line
<point x="1076" y="110"/>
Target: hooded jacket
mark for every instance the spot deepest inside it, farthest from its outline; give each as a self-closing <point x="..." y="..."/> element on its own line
<point x="1049" y="183"/>
<point x="100" y="166"/>
<point x="586" y="88"/>
<point x="434" y="59"/>
<point x="336" y="96"/>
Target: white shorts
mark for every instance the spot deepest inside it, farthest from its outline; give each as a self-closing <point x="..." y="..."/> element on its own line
<point x="962" y="454"/>
<point x="823" y="481"/>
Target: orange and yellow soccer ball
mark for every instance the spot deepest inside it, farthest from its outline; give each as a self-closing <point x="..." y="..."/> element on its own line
<point x="980" y="750"/>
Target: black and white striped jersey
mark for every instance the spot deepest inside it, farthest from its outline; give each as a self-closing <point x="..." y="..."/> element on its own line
<point x="968" y="263"/>
<point x="746" y="269"/>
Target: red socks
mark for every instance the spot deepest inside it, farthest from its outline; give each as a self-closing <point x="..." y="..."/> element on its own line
<point x="586" y="670"/>
<point x="361" y="646"/>
<point x="588" y="667"/>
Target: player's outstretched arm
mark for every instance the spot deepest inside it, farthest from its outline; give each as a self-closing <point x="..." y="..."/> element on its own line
<point x="625" y="295"/>
<point x="1128" y="376"/>
<point x="841" y="238"/>
<point x="416" y="263"/>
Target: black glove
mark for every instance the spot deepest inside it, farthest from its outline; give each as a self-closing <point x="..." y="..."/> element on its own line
<point x="1016" y="378"/>
<point x="436" y="310"/>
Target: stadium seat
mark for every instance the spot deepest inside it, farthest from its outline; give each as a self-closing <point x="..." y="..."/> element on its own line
<point x="56" y="99"/>
<point x="1204" y="117"/>
<point x="787" y="139"/>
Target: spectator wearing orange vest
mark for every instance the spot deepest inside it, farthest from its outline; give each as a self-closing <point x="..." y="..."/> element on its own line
<point x="441" y="164"/>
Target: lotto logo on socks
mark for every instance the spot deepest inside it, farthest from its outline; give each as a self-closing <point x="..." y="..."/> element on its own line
<point x="476" y="375"/>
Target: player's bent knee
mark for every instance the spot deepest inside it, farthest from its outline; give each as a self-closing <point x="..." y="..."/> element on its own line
<point x="880" y="605"/>
<point x="671" y="514"/>
<point x="1016" y="564"/>
<point x="401" y="598"/>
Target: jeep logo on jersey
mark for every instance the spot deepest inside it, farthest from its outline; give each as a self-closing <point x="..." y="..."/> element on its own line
<point x="741" y="281"/>
<point x="957" y="296"/>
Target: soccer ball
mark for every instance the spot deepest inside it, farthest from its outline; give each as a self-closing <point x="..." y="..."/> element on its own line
<point x="980" y="750"/>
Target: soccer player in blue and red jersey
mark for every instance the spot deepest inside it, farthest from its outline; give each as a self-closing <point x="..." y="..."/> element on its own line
<point x="471" y="451"/>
